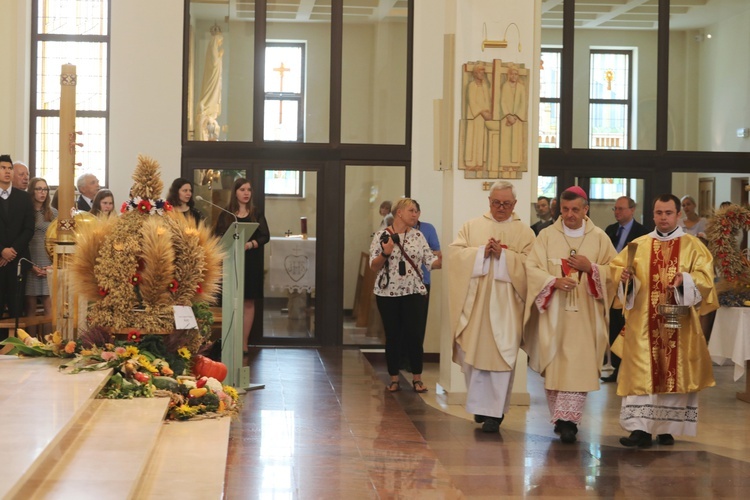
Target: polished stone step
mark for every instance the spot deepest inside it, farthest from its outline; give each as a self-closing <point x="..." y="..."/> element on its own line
<point x="59" y="441"/>
<point x="38" y="405"/>
<point x="103" y="455"/>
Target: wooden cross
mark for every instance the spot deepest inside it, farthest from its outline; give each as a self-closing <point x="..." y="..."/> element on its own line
<point x="281" y="70"/>
<point x="486" y="185"/>
<point x="288" y="233"/>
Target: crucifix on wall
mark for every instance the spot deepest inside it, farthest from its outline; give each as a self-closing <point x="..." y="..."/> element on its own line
<point x="281" y="70"/>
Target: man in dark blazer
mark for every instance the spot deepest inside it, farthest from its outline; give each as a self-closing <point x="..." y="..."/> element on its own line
<point x="622" y="232"/>
<point x="544" y="213"/>
<point x="16" y="230"/>
<point x="88" y="186"/>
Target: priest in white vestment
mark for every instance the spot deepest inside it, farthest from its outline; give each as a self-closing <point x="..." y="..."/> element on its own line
<point x="663" y="368"/>
<point x="487" y="284"/>
<point x="567" y="310"/>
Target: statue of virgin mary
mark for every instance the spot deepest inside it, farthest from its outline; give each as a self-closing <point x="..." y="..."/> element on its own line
<point x="209" y="106"/>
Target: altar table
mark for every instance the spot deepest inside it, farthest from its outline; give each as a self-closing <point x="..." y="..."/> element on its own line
<point x="292" y="264"/>
<point x="292" y="269"/>
<point x="730" y="339"/>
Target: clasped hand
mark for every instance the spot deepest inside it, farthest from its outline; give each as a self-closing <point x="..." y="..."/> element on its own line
<point x="494" y="248"/>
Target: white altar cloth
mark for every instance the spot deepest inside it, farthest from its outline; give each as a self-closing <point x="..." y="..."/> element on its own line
<point x="730" y="338"/>
<point x="292" y="264"/>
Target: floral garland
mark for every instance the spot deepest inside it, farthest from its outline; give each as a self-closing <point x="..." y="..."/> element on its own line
<point x="146" y="206"/>
<point x="732" y="267"/>
<point x="721" y="234"/>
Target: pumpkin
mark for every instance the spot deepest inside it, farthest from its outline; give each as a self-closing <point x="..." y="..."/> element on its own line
<point x="206" y="367"/>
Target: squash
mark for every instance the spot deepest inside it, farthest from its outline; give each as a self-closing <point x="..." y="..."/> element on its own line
<point x="206" y="367"/>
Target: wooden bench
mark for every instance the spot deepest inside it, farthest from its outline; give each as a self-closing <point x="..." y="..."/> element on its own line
<point x="25" y="321"/>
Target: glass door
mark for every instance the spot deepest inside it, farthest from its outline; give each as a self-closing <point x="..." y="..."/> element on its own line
<point x="280" y="274"/>
<point x="290" y="257"/>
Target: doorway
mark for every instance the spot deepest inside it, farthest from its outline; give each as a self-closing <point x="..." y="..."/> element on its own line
<point x="286" y="264"/>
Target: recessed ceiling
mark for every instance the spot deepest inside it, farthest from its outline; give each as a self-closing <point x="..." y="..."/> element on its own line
<point x="641" y="14"/>
<point x="300" y="10"/>
<point x="589" y="14"/>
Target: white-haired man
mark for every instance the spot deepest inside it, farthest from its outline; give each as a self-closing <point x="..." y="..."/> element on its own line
<point x="487" y="291"/>
<point x="88" y="186"/>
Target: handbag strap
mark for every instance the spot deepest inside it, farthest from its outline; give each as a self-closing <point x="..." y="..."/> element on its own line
<point x="405" y="255"/>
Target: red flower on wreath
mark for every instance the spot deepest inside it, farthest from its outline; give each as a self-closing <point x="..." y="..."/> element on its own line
<point x="144" y="206"/>
<point x="103" y="292"/>
<point x="198" y="289"/>
<point x="134" y="336"/>
<point x="135" y="280"/>
<point x="173" y="286"/>
<point x="167" y="206"/>
<point x="124" y="207"/>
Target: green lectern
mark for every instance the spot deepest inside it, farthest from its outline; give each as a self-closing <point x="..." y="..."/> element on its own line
<point x="232" y="307"/>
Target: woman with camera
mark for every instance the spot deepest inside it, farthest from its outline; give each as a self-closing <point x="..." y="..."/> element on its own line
<point x="396" y="254"/>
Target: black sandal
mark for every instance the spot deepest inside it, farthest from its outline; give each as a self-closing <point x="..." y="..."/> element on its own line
<point x="419" y="386"/>
<point x="391" y="388"/>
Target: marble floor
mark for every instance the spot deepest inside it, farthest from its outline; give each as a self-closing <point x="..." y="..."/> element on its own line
<point x="324" y="427"/>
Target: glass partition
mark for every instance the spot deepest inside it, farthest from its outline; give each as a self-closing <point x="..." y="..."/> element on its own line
<point x="367" y="188"/>
<point x="709" y="106"/>
<point x="614" y="101"/>
<point x="291" y="207"/>
<point x="298" y="73"/>
<point x="220" y="68"/>
<point x="373" y="85"/>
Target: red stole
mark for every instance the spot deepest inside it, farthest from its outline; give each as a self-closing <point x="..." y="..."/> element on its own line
<point x="664" y="342"/>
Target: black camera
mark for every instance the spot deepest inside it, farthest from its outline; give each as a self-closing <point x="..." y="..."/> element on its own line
<point x="384" y="237"/>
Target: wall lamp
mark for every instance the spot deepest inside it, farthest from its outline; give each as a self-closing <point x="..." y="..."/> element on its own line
<point x="499" y="44"/>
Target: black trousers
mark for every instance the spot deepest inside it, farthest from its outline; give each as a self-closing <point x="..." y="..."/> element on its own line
<point x="403" y="320"/>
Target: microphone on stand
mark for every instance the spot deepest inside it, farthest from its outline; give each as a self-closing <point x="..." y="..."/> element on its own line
<point x="236" y="227"/>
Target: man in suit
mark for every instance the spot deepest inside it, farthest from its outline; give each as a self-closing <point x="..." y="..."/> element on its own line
<point x="88" y="186"/>
<point x="16" y="230"/>
<point x="622" y="232"/>
<point x="543" y="211"/>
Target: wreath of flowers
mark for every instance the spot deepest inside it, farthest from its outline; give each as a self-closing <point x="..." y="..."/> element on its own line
<point x="146" y="206"/>
<point x="721" y="233"/>
<point x="732" y="267"/>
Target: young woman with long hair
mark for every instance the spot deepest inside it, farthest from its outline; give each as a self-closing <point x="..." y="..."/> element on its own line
<point x="241" y="205"/>
<point x="36" y="280"/>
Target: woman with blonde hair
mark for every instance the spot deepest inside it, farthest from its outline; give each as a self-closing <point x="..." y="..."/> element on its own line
<point x="396" y="254"/>
<point x="37" y="288"/>
<point x="692" y="222"/>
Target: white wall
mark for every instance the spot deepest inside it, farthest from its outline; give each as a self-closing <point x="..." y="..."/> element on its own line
<point x="14" y="93"/>
<point x="145" y="89"/>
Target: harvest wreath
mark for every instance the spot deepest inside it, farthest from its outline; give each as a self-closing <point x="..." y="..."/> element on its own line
<point x="732" y="266"/>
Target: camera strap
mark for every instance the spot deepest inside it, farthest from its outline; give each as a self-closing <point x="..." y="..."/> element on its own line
<point x="404" y="254"/>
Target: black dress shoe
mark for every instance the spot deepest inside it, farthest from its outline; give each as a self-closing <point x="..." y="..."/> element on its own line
<point x="640" y="439"/>
<point x="665" y="439"/>
<point x="568" y="431"/>
<point x="610" y="378"/>
<point x="492" y="424"/>
<point x="480" y="418"/>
